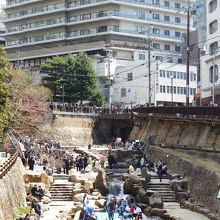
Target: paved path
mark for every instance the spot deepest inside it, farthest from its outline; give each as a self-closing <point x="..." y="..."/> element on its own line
<point x="182" y="214"/>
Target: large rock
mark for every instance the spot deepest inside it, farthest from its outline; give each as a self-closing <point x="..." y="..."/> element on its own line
<point x="141" y="196"/>
<point x="144" y="173"/>
<point x="31" y="177"/>
<point x="88" y="186"/>
<point x="100" y="203"/>
<point x="158" y="212"/>
<point x="130" y="182"/>
<point x="155" y="201"/>
<point x="179" y="183"/>
<point x="77" y="191"/>
<point x="101" y="182"/>
<point x="147" y="210"/>
<point x="46" y="200"/>
<point x="180" y="196"/>
<point x="79" y="197"/>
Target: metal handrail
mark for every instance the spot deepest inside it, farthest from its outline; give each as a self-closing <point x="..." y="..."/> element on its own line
<point x="7" y="165"/>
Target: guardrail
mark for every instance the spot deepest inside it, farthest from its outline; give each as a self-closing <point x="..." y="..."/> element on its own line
<point x="6" y="166"/>
<point x="207" y="113"/>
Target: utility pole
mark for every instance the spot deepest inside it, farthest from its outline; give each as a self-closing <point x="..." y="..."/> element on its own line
<point x="149" y="65"/>
<point x="149" y="68"/>
<point x="109" y="75"/>
<point x="188" y="54"/>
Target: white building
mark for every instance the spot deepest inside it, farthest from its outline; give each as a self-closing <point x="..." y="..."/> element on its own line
<point x="39" y="29"/>
<point x="210" y="62"/>
<point x="168" y="84"/>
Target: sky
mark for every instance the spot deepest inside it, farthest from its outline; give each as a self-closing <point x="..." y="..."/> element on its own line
<point x="2" y="2"/>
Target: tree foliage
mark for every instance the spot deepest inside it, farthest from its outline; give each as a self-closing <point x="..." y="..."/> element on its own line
<point x="20" y="99"/>
<point x="76" y="75"/>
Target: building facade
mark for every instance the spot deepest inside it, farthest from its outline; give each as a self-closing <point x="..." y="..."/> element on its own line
<point x="168" y="85"/>
<point x="210" y="62"/>
<point x="111" y="31"/>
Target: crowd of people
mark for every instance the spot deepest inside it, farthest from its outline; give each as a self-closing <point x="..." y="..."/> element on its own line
<point x="126" y="208"/>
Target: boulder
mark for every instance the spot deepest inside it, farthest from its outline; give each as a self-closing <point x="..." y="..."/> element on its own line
<point x="129" y="183"/>
<point x="79" y="197"/>
<point x="138" y="172"/>
<point x="101" y="182"/>
<point x="30" y="198"/>
<point x="182" y="183"/>
<point x="142" y="206"/>
<point x="78" y="185"/>
<point x="149" y="193"/>
<point x="88" y="186"/>
<point x="100" y="203"/>
<point x="182" y="196"/>
<point x="48" y="195"/>
<point x="155" y="201"/>
<point x="147" y="210"/>
<point x="46" y="200"/>
<point x="158" y="212"/>
<point x="141" y="196"/>
<point x="77" y="191"/>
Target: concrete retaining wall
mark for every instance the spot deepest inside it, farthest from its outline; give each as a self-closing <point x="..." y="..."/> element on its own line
<point x="204" y="184"/>
<point x="181" y="134"/>
<point x="12" y="191"/>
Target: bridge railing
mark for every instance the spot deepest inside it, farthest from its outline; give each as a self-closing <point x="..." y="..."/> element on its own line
<point x="211" y="113"/>
<point x="6" y="166"/>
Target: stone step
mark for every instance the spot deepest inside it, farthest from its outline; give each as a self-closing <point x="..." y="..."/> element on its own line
<point x="171" y="199"/>
<point x="62" y="185"/>
<point x="120" y="170"/>
<point x="62" y="199"/>
<point x="60" y="193"/>
<point x="158" y="185"/>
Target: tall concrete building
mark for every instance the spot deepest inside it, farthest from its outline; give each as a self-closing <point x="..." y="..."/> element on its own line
<point x="115" y="32"/>
<point x="210" y="62"/>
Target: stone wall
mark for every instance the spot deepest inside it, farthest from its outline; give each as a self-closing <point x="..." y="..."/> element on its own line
<point x="204" y="184"/>
<point x="179" y="134"/>
<point x="12" y="192"/>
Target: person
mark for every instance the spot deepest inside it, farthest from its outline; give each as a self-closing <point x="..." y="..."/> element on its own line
<point x="31" y="163"/>
<point x="34" y="190"/>
<point x="40" y="193"/>
<point x="66" y="166"/>
<point x="85" y="162"/>
<point x="160" y="170"/>
<point x="102" y="160"/>
<point x="36" y="206"/>
<point x="137" y="213"/>
<point x="111" y="209"/>
<point x="130" y="169"/>
<point x="142" y="162"/>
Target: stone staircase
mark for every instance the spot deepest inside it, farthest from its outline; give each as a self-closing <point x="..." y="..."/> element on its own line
<point x="62" y="189"/>
<point x="162" y="188"/>
<point x="122" y="167"/>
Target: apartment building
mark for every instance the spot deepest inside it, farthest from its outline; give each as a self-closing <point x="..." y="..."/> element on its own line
<point x="210" y="62"/>
<point x="37" y="29"/>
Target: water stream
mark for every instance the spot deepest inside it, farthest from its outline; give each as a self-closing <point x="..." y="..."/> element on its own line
<point x="116" y="188"/>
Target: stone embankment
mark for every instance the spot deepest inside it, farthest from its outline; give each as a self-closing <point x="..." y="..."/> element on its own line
<point x="202" y="183"/>
<point x="12" y="191"/>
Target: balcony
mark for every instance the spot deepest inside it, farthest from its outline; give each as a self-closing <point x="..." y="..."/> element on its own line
<point x="17" y="3"/>
<point x="36" y="12"/>
<point x="35" y="27"/>
<point x="76" y="34"/>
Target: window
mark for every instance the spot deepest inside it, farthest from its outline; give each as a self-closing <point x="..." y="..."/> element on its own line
<point x="168" y="89"/>
<point x="84" y="32"/>
<point x="177" y="34"/>
<point x="130" y="76"/>
<point x="167" y="4"/>
<point x="156" y="16"/>
<point x="140" y="14"/>
<point x="115" y="12"/>
<point x="168" y="74"/>
<point x="156" y="46"/>
<point x="166" y="18"/>
<point x="85" y="16"/>
<point x="212" y="6"/>
<point x="161" y="89"/>
<point x="215" y="73"/>
<point x="213" y="27"/>
<point x="123" y="92"/>
<point x="101" y="29"/>
<point x="139" y="29"/>
<point x="164" y="89"/>
<point x="177" y="48"/>
<point x="166" y="32"/>
<point x="156" y="2"/>
<point x="161" y="73"/>
<point x="213" y="48"/>
<point x="174" y="89"/>
<point x="141" y="56"/>
<point x="116" y="28"/>
<point x="160" y="58"/>
<point x="169" y="59"/>
<point x="156" y="31"/>
<point x="177" y="5"/>
<point x="166" y="47"/>
<point x="179" y="60"/>
<point x="177" y="20"/>
<point x="101" y="14"/>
